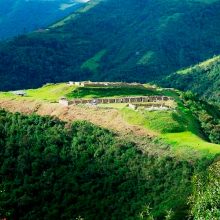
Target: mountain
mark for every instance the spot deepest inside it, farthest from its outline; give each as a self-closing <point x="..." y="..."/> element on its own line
<point x="110" y="149"/>
<point x="108" y="161"/>
<point x="203" y="79"/>
<point x="85" y="172"/>
<point x="133" y="40"/>
<point x="184" y="117"/>
<point x="21" y="16"/>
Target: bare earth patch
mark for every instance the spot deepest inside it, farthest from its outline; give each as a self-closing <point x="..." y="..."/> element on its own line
<point x="107" y="118"/>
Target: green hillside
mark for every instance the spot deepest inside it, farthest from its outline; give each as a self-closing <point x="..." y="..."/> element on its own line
<point x="191" y="127"/>
<point x="84" y="148"/>
<point x="53" y="92"/>
<point x="53" y="171"/>
<point x="203" y="79"/>
<point x="99" y="92"/>
<point x="49" y="92"/>
<point x="18" y="16"/>
<point x="114" y="40"/>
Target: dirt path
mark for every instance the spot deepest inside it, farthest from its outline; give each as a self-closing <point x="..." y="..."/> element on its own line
<point x="107" y="118"/>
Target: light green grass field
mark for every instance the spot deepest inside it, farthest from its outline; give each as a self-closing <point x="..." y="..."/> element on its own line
<point x="101" y="92"/>
<point x="53" y="92"/>
<point x="113" y="105"/>
<point x="49" y="92"/>
<point x="76" y="14"/>
<point x="6" y="95"/>
<point x="159" y="121"/>
<point x="191" y="141"/>
<point x="178" y="128"/>
<point x="175" y="129"/>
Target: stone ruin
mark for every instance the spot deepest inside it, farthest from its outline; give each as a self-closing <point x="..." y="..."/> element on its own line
<point x="102" y="84"/>
<point x="19" y="93"/>
<point x="138" y="99"/>
<point x="63" y="101"/>
<point x="150" y="106"/>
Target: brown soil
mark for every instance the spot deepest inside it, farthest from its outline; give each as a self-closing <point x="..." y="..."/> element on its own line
<point x="107" y="118"/>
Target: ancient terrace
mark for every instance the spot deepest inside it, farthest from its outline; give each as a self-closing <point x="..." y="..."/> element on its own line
<point x="137" y="99"/>
<point x="145" y="101"/>
<point x="102" y="84"/>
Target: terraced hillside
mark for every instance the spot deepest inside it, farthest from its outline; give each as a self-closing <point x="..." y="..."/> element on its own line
<point x="183" y="126"/>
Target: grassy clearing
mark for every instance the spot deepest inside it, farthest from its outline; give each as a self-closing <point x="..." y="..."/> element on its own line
<point x="76" y="14"/>
<point x="92" y="64"/>
<point x="51" y="92"/>
<point x="191" y="141"/>
<point x="6" y="95"/>
<point x="147" y="58"/>
<point x="179" y="129"/>
<point x="100" y="92"/>
<point x="113" y="105"/>
<point x="158" y="121"/>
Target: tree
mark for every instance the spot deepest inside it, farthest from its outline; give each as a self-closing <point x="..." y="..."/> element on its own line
<point x="205" y="201"/>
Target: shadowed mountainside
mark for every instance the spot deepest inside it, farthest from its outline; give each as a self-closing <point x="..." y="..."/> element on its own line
<point x="22" y="16"/>
<point x="114" y="40"/>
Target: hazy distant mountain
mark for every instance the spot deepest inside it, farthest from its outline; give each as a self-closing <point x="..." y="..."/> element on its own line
<point x="21" y="16"/>
<point x="114" y="40"/>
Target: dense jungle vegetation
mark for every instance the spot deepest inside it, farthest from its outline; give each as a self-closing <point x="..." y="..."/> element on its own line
<point x="207" y="115"/>
<point x="53" y="170"/>
<point x="206" y="200"/>
<point x="133" y="40"/>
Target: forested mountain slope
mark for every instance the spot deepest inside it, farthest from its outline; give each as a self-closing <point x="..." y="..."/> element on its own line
<point x="21" y="16"/>
<point x="53" y="170"/>
<point x="203" y="79"/>
<point x="133" y="40"/>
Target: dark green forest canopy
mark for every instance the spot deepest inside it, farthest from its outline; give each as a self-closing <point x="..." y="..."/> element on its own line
<point x="203" y="79"/>
<point x="51" y="170"/>
<point x="133" y="40"/>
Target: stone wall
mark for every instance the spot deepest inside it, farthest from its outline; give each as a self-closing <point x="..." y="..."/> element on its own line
<point x="149" y="105"/>
<point x="64" y="102"/>
<point x="103" y="84"/>
<point x="138" y="99"/>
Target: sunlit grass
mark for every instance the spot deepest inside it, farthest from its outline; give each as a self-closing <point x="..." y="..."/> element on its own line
<point x="51" y="92"/>
<point x="203" y="65"/>
<point x="173" y="128"/>
<point x="113" y="105"/>
<point x="187" y="138"/>
<point x="158" y="121"/>
<point x="100" y="92"/>
<point x="6" y="95"/>
<point x="176" y="127"/>
<point x="88" y="6"/>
